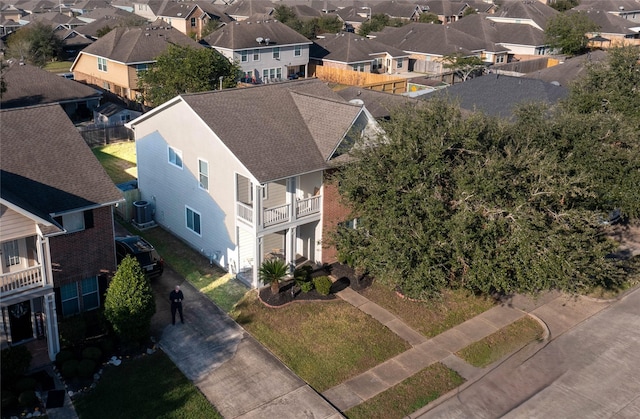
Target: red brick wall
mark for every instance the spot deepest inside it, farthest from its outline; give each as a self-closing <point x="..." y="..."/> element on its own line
<point x="333" y="212"/>
<point x="86" y="253"/>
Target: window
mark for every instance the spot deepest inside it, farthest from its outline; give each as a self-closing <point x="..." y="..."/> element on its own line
<point x="203" y="171"/>
<point x="175" y="157"/>
<point x="297" y="50"/>
<point x="106" y="86"/>
<point x="11" y="253"/>
<point x="244" y="56"/>
<point x="90" y="298"/>
<point x="256" y="55"/>
<point x="377" y="64"/>
<point x="276" y="53"/>
<point x="102" y="64"/>
<point x="358" y="67"/>
<point x="399" y="62"/>
<point x="193" y="22"/>
<point x="69" y="299"/>
<point x="193" y="221"/>
<point x="76" y="221"/>
<point x="141" y="67"/>
<point x="499" y="58"/>
<point x="271" y="74"/>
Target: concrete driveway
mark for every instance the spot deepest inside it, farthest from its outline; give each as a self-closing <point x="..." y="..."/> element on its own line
<point x="591" y="371"/>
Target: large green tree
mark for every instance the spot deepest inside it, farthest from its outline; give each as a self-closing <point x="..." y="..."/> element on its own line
<point x="129" y="304"/>
<point x="309" y="28"/>
<point x="378" y="22"/>
<point x="568" y="31"/>
<point x="36" y="43"/>
<point x="186" y="70"/>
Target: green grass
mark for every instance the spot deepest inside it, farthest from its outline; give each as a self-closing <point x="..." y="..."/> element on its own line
<point x="151" y="386"/>
<point x="434" y="316"/>
<point x="119" y="160"/>
<point x="501" y="343"/>
<point x="410" y="395"/>
<point x="325" y="343"/>
<point x="58" y="66"/>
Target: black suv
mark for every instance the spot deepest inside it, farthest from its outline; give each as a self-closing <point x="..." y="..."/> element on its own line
<point x="150" y="262"/>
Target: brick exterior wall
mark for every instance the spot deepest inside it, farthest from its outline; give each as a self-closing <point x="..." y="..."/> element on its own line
<point x="333" y="212"/>
<point x="86" y="253"/>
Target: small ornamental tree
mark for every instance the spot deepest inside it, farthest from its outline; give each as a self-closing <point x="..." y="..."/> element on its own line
<point x="272" y="272"/>
<point x="129" y="305"/>
<point x="463" y="65"/>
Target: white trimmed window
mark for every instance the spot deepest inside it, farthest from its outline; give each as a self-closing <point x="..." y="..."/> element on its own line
<point x="76" y="221"/>
<point x="175" y="157"/>
<point x="358" y="67"/>
<point x="69" y="299"/>
<point x="102" y="64"/>
<point x="276" y="53"/>
<point x="11" y="253"/>
<point x="271" y="73"/>
<point x="193" y="22"/>
<point x="297" y="50"/>
<point x="256" y="55"/>
<point x="203" y="174"/>
<point x="193" y="221"/>
<point x="90" y="295"/>
<point x="244" y="56"/>
<point x="399" y="61"/>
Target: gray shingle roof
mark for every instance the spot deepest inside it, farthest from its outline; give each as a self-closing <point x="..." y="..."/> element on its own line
<point x="46" y="166"/>
<point x="346" y="47"/>
<point x="379" y="104"/>
<point x="479" y="26"/>
<point x="537" y="11"/>
<point x="569" y="70"/>
<point x="138" y="44"/>
<point x="28" y="85"/>
<point x="609" y="5"/>
<point x="242" y="35"/>
<point x="399" y="9"/>
<point x="609" y="23"/>
<point x="250" y="7"/>
<point x="274" y="142"/>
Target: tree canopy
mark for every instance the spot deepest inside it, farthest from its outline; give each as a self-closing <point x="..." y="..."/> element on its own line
<point x="309" y="28"/>
<point x="36" y="43"/>
<point x="429" y="18"/>
<point x="463" y="65"/>
<point x="446" y="200"/>
<point x="186" y="70"/>
<point x="378" y="23"/>
<point x="568" y="32"/>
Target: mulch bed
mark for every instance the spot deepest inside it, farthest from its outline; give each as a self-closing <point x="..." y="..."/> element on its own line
<point x="289" y="292"/>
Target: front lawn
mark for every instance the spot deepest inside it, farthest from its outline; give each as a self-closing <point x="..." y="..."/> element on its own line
<point x="58" y="66"/>
<point x="119" y="160"/>
<point x="430" y="317"/>
<point x="147" y="387"/>
<point x="325" y="343"/>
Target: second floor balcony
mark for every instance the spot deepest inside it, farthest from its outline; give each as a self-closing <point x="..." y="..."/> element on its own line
<point x="21" y="281"/>
<point x="282" y="213"/>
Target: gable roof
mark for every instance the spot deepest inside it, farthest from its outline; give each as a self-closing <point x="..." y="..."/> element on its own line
<point x="243" y="35"/>
<point x="393" y="8"/>
<point x="274" y="142"/>
<point x="479" y="26"/>
<point x="347" y="47"/>
<point x="498" y="95"/>
<point x="535" y="11"/>
<point x="138" y="44"/>
<point x="246" y="8"/>
<point x="445" y="7"/>
<point x="379" y="104"/>
<point x="569" y="70"/>
<point x="611" y="6"/>
<point x="610" y="23"/>
<point x="57" y="183"/>
<point x="28" y="85"/>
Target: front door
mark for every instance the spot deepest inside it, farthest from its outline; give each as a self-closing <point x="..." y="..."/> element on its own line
<point x="20" y="321"/>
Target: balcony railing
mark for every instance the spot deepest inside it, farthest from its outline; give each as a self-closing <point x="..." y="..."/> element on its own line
<point x="21" y="281"/>
<point x="282" y="213"/>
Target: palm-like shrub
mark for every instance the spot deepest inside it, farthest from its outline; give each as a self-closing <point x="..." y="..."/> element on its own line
<point x="272" y="272"/>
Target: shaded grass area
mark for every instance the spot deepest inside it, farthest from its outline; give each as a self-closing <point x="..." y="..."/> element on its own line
<point x="119" y="160"/>
<point x="325" y="343"/>
<point x="410" y="395"/>
<point x="501" y="343"/>
<point x="151" y="386"/>
<point x="434" y="316"/>
<point x="58" y="66"/>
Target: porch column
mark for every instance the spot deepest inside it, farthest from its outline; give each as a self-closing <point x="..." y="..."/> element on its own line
<point x="257" y="261"/>
<point x="51" y="325"/>
<point x="290" y="248"/>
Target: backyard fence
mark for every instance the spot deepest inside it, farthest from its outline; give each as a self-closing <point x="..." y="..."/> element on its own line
<point x="97" y="135"/>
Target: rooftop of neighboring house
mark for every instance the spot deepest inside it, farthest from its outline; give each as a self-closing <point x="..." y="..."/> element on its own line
<point x="110" y="12"/>
<point x="479" y="26"/>
<point x="299" y="135"/>
<point x="352" y="14"/>
<point x="45" y="174"/>
<point x="325" y="6"/>
<point x="86" y="5"/>
<point x="177" y="10"/>
<point x="610" y="23"/>
<point x="306" y="12"/>
<point x="438" y="40"/>
<point x="138" y="44"/>
<point x="379" y="104"/>
<point x="28" y="85"/>
<point x="533" y="10"/>
<point x="617" y="6"/>
<point x="244" y="35"/>
<point x="445" y="7"/>
<point x="38" y="6"/>
<point x="569" y="70"/>
<point x="499" y="95"/>
<point x="393" y="8"/>
<point x="346" y="47"/>
<point x="54" y="17"/>
<point x="214" y="11"/>
<point x="246" y="8"/>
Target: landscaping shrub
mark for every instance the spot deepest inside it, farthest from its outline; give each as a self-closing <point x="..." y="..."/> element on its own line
<point x="70" y="368"/>
<point x="108" y="347"/>
<point x="28" y="398"/>
<point x="86" y="368"/>
<point x="26" y="383"/>
<point x="92" y="353"/>
<point x="15" y="362"/>
<point x="73" y="331"/>
<point x="62" y="357"/>
<point x="302" y="276"/>
<point x="9" y="400"/>
<point x="306" y="286"/>
<point x="322" y="284"/>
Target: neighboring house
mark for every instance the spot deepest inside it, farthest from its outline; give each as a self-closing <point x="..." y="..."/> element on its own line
<point x="106" y="12"/>
<point x="113" y="61"/>
<point x="28" y="85"/>
<point x="447" y="11"/>
<point x="8" y="26"/>
<point x="403" y="10"/>
<point x="626" y="9"/>
<point x="86" y="6"/>
<point x="569" y="70"/>
<point x="500" y="95"/>
<point x="266" y="50"/>
<point x="379" y="104"/>
<point x="348" y="51"/>
<point x="352" y="17"/>
<point x="111" y="114"/>
<point x="612" y="30"/>
<point x="191" y="18"/>
<point x="56" y="225"/>
<point x="243" y="9"/>
<point x="55" y="19"/>
<point x="239" y="174"/>
<point x="526" y="12"/>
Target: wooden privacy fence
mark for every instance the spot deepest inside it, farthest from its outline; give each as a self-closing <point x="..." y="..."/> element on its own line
<point x="381" y="82"/>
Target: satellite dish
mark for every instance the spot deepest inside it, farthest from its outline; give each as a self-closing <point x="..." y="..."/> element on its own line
<point x="259" y="40"/>
<point x="266" y="41"/>
<point x="359" y="102"/>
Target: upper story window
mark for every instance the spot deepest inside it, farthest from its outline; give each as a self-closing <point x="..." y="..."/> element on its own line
<point x="76" y="221"/>
<point x="244" y="56"/>
<point x="175" y="157"/>
<point x="69" y="299"/>
<point x="399" y="62"/>
<point x="11" y="253"/>
<point x="193" y="220"/>
<point x="193" y="22"/>
<point x="141" y="67"/>
<point x="203" y="172"/>
<point x="256" y="55"/>
<point x="102" y="64"/>
<point x="276" y="53"/>
<point x="297" y="50"/>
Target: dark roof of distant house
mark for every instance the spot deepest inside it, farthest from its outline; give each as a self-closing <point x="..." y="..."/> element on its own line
<point x="445" y="7"/>
<point x="570" y="70"/>
<point x="107" y="12"/>
<point x="379" y="104"/>
<point x="28" y="85"/>
<point x="351" y="14"/>
<point x="346" y="47"/>
<point x="243" y="35"/>
<point x="534" y="10"/>
<point x="396" y="9"/>
<point x="89" y="4"/>
<point x="138" y="44"/>
<point x="109" y="109"/>
<point x="499" y="95"/>
<point x="609" y="23"/>
<point x="54" y="17"/>
<point x="247" y="8"/>
<point x="37" y="173"/>
<point x="617" y="6"/>
<point x="479" y="26"/>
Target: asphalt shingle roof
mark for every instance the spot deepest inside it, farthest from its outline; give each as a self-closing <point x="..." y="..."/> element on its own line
<point x="243" y="35"/>
<point x="569" y="70"/>
<point x="379" y="104"/>
<point x="346" y="47"/>
<point x="45" y="165"/>
<point x="479" y="26"/>
<point x="537" y="11"/>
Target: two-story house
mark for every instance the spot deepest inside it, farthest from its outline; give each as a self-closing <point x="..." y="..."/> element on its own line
<point x="239" y="174"/>
<point x="192" y="18"/>
<point x="267" y="50"/>
<point x="56" y="225"/>
<point x="112" y="62"/>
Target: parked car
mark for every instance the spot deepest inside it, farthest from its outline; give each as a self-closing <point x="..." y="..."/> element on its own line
<point x="150" y="261"/>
